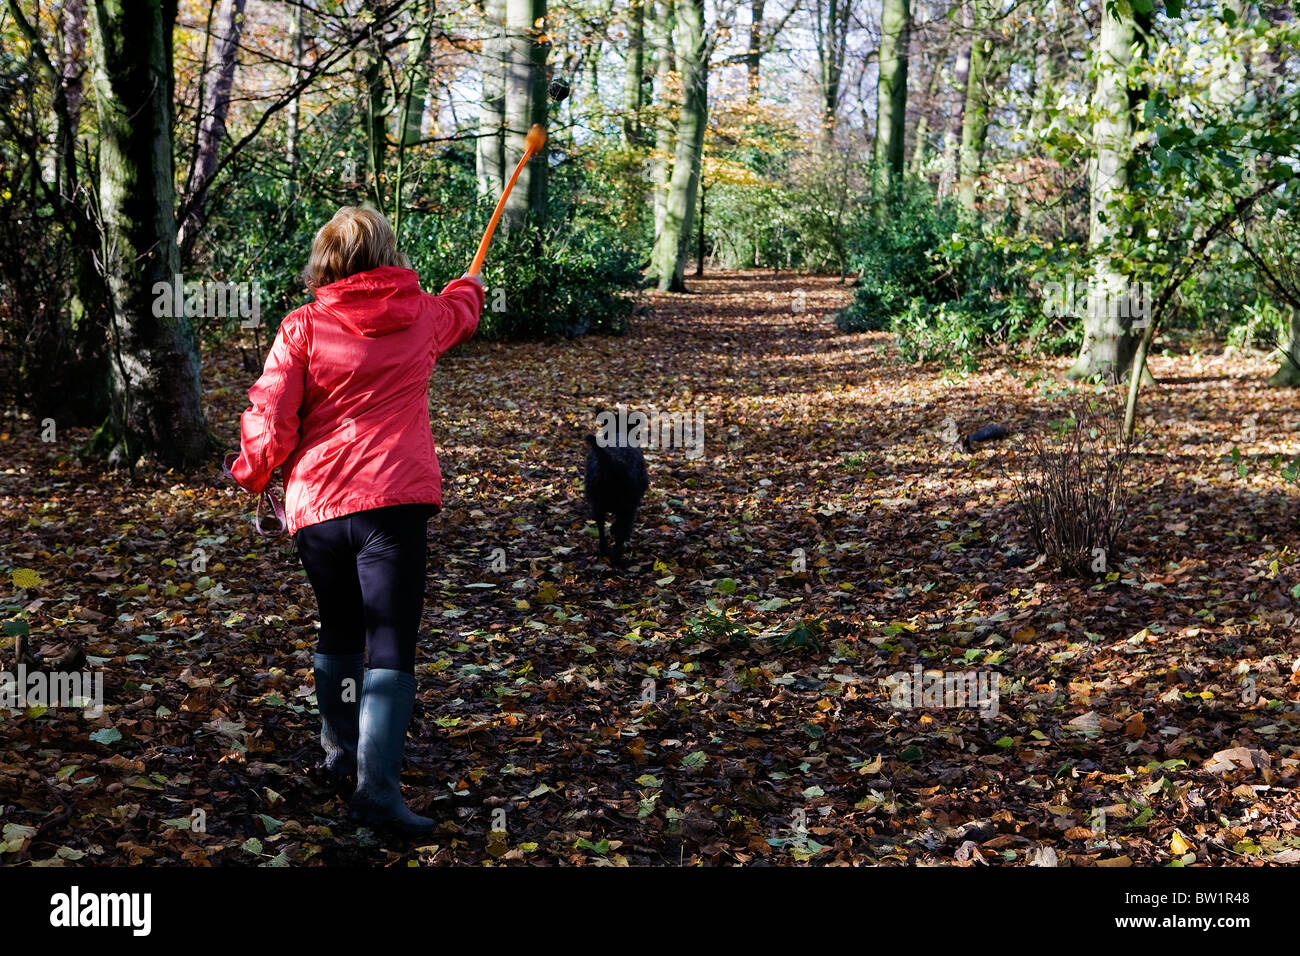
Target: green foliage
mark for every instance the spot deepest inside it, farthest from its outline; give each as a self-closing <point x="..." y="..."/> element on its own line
<point x="715" y="626"/>
<point x="807" y="221"/>
<point x="626" y="175"/>
<point x="1259" y="324"/>
<point x="897" y="257"/>
<point x="749" y="226"/>
<point x="568" y="278"/>
<point x="806" y="635"/>
<point x="945" y="290"/>
<point x="1205" y="169"/>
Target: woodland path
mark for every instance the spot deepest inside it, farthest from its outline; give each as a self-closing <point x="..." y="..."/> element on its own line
<point x="712" y="703"/>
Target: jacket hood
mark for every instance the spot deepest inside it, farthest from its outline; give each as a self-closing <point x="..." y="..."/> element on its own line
<point x="374" y="303"/>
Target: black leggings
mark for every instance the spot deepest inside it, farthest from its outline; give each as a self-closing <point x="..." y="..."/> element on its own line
<point x="367" y="570"/>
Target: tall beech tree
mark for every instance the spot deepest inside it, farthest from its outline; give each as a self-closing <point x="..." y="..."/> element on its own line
<point x="155" y="358"/>
<point x="1109" y="342"/>
<point x="975" y="112"/>
<point x="754" y="55"/>
<point x="957" y="93"/>
<point x="525" y="104"/>
<point x="81" y="350"/>
<point x="490" y="154"/>
<point x="415" y="96"/>
<point x="220" y="78"/>
<point x="668" y="260"/>
<point x="891" y="90"/>
<point x="634" y="74"/>
<point x="661" y="169"/>
<point x="831" y="20"/>
<point x="373" y="112"/>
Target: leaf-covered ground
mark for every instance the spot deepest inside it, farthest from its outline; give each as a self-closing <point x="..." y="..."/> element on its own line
<point x="713" y="703"/>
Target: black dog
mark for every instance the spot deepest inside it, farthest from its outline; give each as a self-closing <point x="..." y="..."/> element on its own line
<point x="616" y="480"/>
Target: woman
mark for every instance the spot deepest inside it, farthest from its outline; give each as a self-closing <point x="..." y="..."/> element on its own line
<point x="343" y="404"/>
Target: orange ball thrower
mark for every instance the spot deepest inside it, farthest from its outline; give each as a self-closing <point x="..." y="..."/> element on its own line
<point x="534" y="141"/>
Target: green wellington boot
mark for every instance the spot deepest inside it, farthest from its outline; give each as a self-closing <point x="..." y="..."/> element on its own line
<point x="338" y="698"/>
<point x="387" y="698"/>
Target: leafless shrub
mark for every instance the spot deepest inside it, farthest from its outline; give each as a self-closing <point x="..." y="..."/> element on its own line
<point x="1070" y="489"/>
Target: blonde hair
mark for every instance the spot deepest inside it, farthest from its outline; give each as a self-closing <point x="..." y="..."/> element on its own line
<point x="357" y="239"/>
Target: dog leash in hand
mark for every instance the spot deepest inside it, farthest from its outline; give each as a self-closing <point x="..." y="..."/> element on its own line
<point x="270" y="525"/>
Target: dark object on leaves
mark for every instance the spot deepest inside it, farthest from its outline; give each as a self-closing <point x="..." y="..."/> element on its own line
<point x="987" y="433"/>
<point x="558" y="90"/>
<point x="615" y="482"/>
<point x="73" y="657"/>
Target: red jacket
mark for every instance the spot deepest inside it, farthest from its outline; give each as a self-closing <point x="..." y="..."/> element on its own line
<point x="343" y="402"/>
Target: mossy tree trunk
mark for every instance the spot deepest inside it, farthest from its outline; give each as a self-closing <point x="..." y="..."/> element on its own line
<point x="155" y="359"/>
<point x="891" y="91"/>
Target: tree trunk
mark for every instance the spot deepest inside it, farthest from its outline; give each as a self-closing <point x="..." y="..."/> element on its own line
<point x="1266" y="73"/>
<point x="539" y="181"/>
<point x="669" y="256"/>
<point x="74" y="59"/>
<point x="699" y="246"/>
<point x="957" y="101"/>
<point x="891" y="91"/>
<point x="920" y="148"/>
<point x="416" y="100"/>
<point x="975" y="120"/>
<point x="525" y="104"/>
<point x="633" y="77"/>
<point x="830" y="28"/>
<point x="374" y="114"/>
<point x="491" y="116"/>
<point x="1288" y="373"/>
<point x="293" y="111"/>
<point x="212" y="128"/>
<point x="663" y="40"/>
<point x="155" y="362"/>
<point x="1108" y="339"/>
<point x="87" y="365"/>
<point x="754" y="55"/>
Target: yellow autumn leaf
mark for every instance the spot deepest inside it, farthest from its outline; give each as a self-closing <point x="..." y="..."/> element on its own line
<point x="872" y="766"/>
<point x="1178" y="844"/>
<point x="26" y="578"/>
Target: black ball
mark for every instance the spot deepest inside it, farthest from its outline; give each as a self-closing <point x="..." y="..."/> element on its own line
<point x="558" y="90"/>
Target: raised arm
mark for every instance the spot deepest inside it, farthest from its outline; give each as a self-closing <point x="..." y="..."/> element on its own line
<point x="461" y="304"/>
<point x="269" y="429"/>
